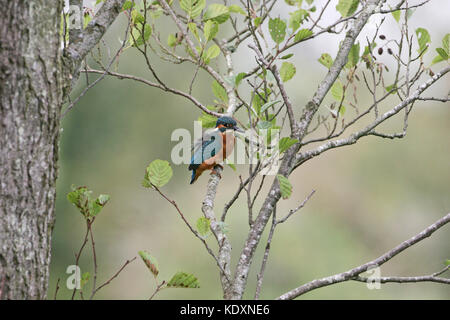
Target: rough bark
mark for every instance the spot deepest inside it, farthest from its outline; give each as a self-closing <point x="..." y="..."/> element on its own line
<point x="35" y="74"/>
<point x="30" y="95"/>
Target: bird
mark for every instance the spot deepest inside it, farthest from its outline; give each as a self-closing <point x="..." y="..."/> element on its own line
<point x="214" y="147"/>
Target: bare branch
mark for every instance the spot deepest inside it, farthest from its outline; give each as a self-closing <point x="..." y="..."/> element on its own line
<point x="94" y="31"/>
<point x="157" y="85"/>
<point x="354" y="273"/>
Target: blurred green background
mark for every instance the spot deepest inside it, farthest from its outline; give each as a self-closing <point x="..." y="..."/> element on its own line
<point x="369" y="197"/>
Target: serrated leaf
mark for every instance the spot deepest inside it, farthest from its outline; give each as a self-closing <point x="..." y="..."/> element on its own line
<point x="347" y="7"/>
<point x="207" y="120"/>
<point x="302" y="34"/>
<point x="268" y="105"/>
<point x="217" y="12"/>
<point x="285" y="186"/>
<point x="210" y="30"/>
<point x="287" y="71"/>
<point x="211" y="53"/>
<point x="193" y="7"/>
<point x="423" y="38"/>
<point x="277" y="30"/>
<point x="237" y="9"/>
<point x="285" y="143"/>
<point x="203" y="226"/>
<point x="158" y="173"/>
<point x="183" y="280"/>
<point x="150" y="262"/>
<point x="326" y="60"/>
<point x="219" y="91"/>
<point x="337" y="91"/>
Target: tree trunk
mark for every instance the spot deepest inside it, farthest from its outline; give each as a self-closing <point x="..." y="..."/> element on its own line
<point x="30" y="107"/>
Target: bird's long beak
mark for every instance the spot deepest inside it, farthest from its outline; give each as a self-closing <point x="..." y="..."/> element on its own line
<point x="236" y="128"/>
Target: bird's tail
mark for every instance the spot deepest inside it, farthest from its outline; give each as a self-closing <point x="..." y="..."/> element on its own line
<point x="193" y="177"/>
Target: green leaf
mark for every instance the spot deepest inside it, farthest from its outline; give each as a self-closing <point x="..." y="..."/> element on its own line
<point x="447" y="262"/>
<point x="436" y="60"/>
<point x="342" y="110"/>
<point x="287" y="56"/>
<point x="193" y="28"/>
<point x="97" y="205"/>
<point x="297" y="18"/>
<point x="150" y="262"/>
<point x="210" y="30"/>
<point x="211" y="53"/>
<point x="442" y="53"/>
<point x="158" y="173"/>
<point x="237" y="9"/>
<point x="347" y="7"/>
<point x="285" y="186"/>
<point x="391" y="87"/>
<point x="138" y="37"/>
<point x="257" y="21"/>
<point x="84" y="279"/>
<point x="264" y="125"/>
<point x="287" y="71"/>
<point x="337" y="91"/>
<point x="193" y="7"/>
<point x="203" y="226"/>
<point x="277" y="30"/>
<point x="353" y="56"/>
<point x="396" y="15"/>
<point x="239" y="78"/>
<point x="423" y="38"/>
<point x="217" y="12"/>
<point x="172" y="40"/>
<point x="219" y="91"/>
<point x="285" y="143"/>
<point x="127" y="5"/>
<point x="326" y="60"/>
<point x="183" y="280"/>
<point x="207" y="120"/>
<point x="302" y="34"/>
<point x="268" y="105"/>
<point x="446" y="43"/>
<point x="232" y="166"/>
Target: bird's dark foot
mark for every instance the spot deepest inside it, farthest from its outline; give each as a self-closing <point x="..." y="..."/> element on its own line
<point x="220" y="166"/>
<point x="217" y="173"/>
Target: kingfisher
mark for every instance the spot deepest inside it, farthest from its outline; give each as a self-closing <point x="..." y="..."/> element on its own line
<point x="214" y="147"/>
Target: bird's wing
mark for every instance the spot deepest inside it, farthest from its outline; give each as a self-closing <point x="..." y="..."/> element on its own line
<point x="205" y="148"/>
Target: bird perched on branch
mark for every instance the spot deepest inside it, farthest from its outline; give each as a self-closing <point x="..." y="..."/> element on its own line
<point x="214" y="147"/>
